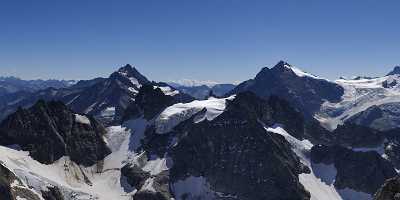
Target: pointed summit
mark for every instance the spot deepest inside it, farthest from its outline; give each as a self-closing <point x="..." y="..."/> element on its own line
<point x="130" y="72"/>
<point x="282" y="64"/>
<point x="395" y="71"/>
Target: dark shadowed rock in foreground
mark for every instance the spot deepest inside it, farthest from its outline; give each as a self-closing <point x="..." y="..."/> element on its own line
<point x="11" y="187"/>
<point x="360" y="171"/>
<point x="390" y="190"/>
<point x="49" y="130"/>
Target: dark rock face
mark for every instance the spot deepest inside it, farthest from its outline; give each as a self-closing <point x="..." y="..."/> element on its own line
<point x="52" y="193"/>
<point x="151" y="101"/>
<point x="161" y="187"/>
<point x="304" y="93"/>
<point x="136" y="177"/>
<point x="383" y="117"/>
<point x="7" y="192"/>
<point x="390" y="190"/>
<point x="6" y="178"/>
<point x="392" y="146"/>
<point x="50" y="130"/>
<point x="237" y="156"/>
<point x="387" y="84"/>
<point x="360" y="171"/>
<point x="148" y="195"/>
<point x="353" y="135"/>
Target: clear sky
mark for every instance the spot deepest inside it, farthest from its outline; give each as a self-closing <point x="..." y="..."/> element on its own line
<point x="222" y="40"/>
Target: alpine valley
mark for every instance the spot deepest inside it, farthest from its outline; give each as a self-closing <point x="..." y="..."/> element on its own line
<point x="283" y="135"/>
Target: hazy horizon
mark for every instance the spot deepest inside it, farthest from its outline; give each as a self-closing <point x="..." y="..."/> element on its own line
<point x="223" y="41"/>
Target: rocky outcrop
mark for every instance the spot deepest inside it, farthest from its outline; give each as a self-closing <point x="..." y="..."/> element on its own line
<point x="360" y="171"/>
<point x="52" y="193"/>
<point x="353" y="135"/>
<point x="11" y="188"/>
<point x="50" y="130"/>
<point x="136" y="177"/>
<point x="390" y="190"/>
<point x="149" y="102"/>
<point x="159" y="189"/>
<point x="303" y="92"/>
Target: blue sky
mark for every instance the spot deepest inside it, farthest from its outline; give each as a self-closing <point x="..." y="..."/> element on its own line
<point x="222" y="40"/>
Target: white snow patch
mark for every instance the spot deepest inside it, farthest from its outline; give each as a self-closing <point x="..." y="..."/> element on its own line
<point x="123" y="141"/>
<point x="167" y="90"/>
<point x="358" y="96"/>
<point x="179" y="112"/>
<point x="156" y="165"/>
<point x="82" y="119"/>
<point x="108" y="112"/>
<point x="301" y="73"/>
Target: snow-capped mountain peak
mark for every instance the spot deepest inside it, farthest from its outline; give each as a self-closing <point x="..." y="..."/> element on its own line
<point x="395" y="71"/>
<point x="284" y="66"/>
<point x="130" y="72"/>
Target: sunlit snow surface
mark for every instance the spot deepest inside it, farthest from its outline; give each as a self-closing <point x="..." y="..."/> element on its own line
<point x="167" y="90"/>
<point x="321" y="179"/>
<point x="358" y="96"/>
<point x="179" y="112"/>
<point x="82" y="119"/>
<point x="301" y="73"/>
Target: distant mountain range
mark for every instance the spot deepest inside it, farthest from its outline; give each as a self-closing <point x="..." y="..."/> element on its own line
<point x="11" y="84"/>
<point x="203" y="91"/>
<point x="284" y="134"/>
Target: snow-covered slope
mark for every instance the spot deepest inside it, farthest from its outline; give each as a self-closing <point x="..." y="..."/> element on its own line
<point x="358" y="96"/>
<point x="177" y="113"/>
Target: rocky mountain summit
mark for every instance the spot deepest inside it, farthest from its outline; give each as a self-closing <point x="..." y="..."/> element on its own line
<point x="304" y="91"/>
